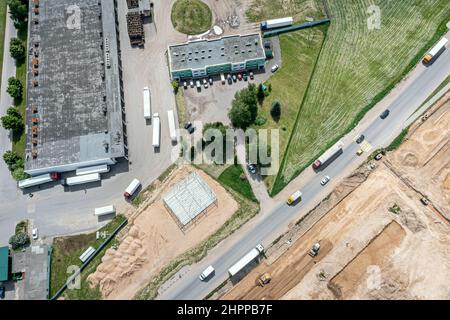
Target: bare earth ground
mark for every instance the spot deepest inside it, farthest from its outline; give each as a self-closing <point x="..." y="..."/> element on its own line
<point x="368" y="251"/>
<point x="154" y="239"/>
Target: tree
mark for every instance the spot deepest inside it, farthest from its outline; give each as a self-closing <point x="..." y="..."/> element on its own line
<point x="240" y="115"/>
<point x="275" y="110"/>
<point x="19" y="174"/>
<point x="16" y="49"/>
<point x="19" y="12"/>
<point x="10" y="158"/>
<point x="175" y="86"/>
<point x="14" y="87"/>
<point x="260" y="94"/>
<point x="12" y="120"/>
<point x="19" y="240"/>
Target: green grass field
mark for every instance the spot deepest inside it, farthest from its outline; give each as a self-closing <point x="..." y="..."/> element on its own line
<point x="232" y="178"/>
<point x="2" y="33"/>
<point x="355" y="69"/>
<point x="66" y="252"/>
<point x="299" y="52"/>
<point x="191" y="16"/>
<point x="260" y="10"/>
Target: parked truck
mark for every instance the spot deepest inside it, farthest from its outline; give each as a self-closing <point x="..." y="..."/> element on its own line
<point x="94" y="169"/>
<point x="296" y="196"/>
<point x="330" y="153"/>
<point x="38" y="180"/>
<point x="147" y="104"/>
<point x="245" y="260"/>
<point x="156" y="130"/>
<point x="435" y="51"/>
<point x="172" y="127"/>
<point x="131" y="189"/>
<point x="277" y="23"/>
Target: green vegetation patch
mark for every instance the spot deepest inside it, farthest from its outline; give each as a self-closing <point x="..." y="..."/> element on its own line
<point x="398" y="140"/>
<point x="299" y="52"/>
<point x="357" y="67"/>
<point x="191" y="16"/>
<point x="3" y="11"/>
<point x="235" y="178"/>
<point x="66" y="252"/>
<point x="260" y="10"/>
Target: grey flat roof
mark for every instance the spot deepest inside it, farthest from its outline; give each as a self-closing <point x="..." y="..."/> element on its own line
<point x="230" y="49"/>
<point x="74" y="85"/>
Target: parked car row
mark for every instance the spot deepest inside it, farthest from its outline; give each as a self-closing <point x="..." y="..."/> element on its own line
<point x="230" y="77"/>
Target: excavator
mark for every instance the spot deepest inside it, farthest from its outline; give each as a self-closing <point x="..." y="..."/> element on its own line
<point x="264" y="279"/>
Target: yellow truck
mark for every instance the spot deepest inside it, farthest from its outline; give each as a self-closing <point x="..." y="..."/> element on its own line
<point x="296" y="196"/>
<point x="435" y="51"/>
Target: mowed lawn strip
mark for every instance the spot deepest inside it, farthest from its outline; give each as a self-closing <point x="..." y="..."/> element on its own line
<point x="3" y="10"/>
<point x="357" y="67"/>
<point x="299" y="52"/>
<point x="191" y="16"/>
<point x="66" y="252"/>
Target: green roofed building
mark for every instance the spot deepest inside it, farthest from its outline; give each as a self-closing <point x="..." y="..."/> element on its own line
<point x="200" y="58"/>
<point x="4" y="263"/>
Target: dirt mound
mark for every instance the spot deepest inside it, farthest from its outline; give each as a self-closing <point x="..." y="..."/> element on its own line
<point x="410" y="160"/>
<point x="410" y="219"/>
<point x="394" y="285"/>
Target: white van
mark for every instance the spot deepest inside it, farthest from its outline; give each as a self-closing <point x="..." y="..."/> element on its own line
<point x="206" y="273"/>
<point x="222" y="78"/>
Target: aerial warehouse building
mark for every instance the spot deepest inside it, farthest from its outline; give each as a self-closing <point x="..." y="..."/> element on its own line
<point x="75" y="105"/>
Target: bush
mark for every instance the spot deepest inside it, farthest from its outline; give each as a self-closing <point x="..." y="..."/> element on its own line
<point x="19" y="241"/>
<point x="19" y="174"/>
<point x="244" y="107"/>
<point x="275" y="110"/>
<point x="175" y="86"/>
<point x="16" y="49"/>
<point x="14" y="87"/>
<point x="10" y="158"/>
<point x="260" y="120"/>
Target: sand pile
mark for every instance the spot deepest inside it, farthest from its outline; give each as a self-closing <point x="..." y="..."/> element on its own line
<point x="119" y="263"/>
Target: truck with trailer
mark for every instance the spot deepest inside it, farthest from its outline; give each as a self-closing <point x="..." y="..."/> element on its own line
<point x="277" y="23"/>
<point x="435" y="51"/>
<point x="38" y="180"/>
<point x="296" y="196"/>
<point x="77" y="180"/>
<point x="172" y="127"/>
<point x="245" y="260"/>
<point x="327" y="155"/>
<point x="156" y="131"/>
<point x="131" y="189"/>
<point x="147" y="104"/>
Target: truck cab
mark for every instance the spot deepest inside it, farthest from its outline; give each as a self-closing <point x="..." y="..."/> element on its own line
<point x="294" y="197"/>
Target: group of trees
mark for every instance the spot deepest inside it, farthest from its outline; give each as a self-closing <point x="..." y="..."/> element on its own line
<point x="15" y="164"/>
<point x="19" y="13"/>
<point x="244" y="107"/>
<point x="13" y="120"/>
<point x="17" y="49"/>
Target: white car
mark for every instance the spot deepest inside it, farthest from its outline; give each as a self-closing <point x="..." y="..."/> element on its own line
<point x="325" y="180"/>
<point x="274" y="68"/>
<point x="34" y="234"/>
<point x="191" y="83"/>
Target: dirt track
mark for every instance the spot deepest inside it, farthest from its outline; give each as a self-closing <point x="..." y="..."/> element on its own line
<point x="382" y="242"/>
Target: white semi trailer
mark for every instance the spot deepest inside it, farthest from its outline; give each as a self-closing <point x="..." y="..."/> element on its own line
<point x="435" y="51"/>
<point x="147" y="104"/>
<point x="327" y="155"/>
<point x="277" y="23"/>
<point x="87" y="178"/>
<point x="245" y="260"/>
<point x="172" y="127"/>
<point x="156" y="131"/>
<point x="38" y="180"/>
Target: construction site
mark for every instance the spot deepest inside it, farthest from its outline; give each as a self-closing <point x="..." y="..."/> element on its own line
<point x="156" y="236"/>
<point x="383" y="232"/>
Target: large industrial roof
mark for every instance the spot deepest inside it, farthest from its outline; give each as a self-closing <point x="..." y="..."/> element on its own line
<point x="77" y="98"/>
<point x="4" y="263"/>
<point x="189" y="198"/>
<point x="202" y="53"/>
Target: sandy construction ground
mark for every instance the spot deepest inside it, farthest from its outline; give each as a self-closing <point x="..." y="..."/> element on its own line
<point x="154" y="239"/>
<point x="380" y="241"/>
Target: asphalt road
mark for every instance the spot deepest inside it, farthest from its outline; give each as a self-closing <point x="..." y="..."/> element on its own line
<point x="378" y="133"/>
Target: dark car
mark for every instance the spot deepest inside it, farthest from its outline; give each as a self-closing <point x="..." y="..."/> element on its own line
<point x="2" y="292"/>
<point x="191" y="129"/>
<point x="245" y="76"/>
<point x="360" y="139"/>
<point x="187" y="125"/>
<point x="384" y="114"/>
<point x="252" y="168"/>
